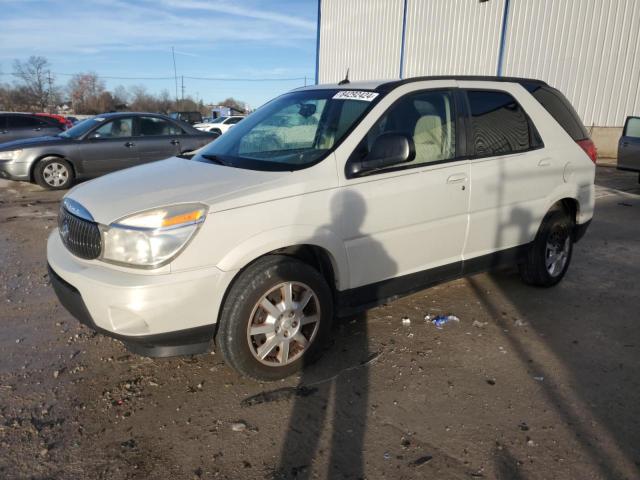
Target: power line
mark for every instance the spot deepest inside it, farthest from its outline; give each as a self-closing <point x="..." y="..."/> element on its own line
<point x="212" y="79"/>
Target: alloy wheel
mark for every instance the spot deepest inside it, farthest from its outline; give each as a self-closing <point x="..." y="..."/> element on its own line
<point x="283" y="324"/>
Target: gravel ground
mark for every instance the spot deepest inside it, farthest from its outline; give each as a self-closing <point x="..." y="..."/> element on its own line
<point x="530" y="384"/>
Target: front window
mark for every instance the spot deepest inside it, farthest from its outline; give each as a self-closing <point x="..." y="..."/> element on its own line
<point x="80" y="128"/>
<point x="291" y="132"/>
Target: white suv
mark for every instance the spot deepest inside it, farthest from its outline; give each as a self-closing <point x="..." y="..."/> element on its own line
<point x="326" y="200"/>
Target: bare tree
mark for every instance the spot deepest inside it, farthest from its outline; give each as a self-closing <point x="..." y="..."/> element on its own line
<point x="237" y="105"/>
<point x="37" y="81"/>
<point x="87" y="94"/>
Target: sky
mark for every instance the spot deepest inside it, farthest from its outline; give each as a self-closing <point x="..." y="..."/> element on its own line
<point x="231" y="39"/>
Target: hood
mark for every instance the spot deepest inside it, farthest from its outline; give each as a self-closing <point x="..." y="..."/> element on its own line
<point x="178" y="180"/>
<point x="30" y="142"/>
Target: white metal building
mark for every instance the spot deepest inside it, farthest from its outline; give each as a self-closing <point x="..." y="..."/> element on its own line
<point x="589" y="49"/>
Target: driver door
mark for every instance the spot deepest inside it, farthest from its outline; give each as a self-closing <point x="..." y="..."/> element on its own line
<point x="408" y="223"/>
<point x="109" y="147"/>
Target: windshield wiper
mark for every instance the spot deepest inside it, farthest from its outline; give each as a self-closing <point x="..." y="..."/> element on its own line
<point x="215" y="159"/>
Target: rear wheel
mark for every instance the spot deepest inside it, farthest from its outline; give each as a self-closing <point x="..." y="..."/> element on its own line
<point x="550" y="253"/>
<point x="275" y="318"/>
<point x="54" y="174"/>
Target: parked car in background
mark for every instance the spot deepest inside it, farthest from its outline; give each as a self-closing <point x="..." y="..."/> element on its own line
<point x="188" y="117"/>
<point x="64" y="121"/>
<point x="326" y="200"/>
<point x="14" y="126"/>
<point x="73" y="120"/>
<point x="96" y="146"/>
<point x="629" y="146"/>
<point x="219" y="125"/>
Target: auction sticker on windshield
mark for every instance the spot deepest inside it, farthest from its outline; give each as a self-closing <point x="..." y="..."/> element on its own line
<point x="355" y="95"/>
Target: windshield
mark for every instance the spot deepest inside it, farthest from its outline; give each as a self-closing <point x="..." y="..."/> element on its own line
<point x="291" y="132"/>
<point x="81" y="128"/>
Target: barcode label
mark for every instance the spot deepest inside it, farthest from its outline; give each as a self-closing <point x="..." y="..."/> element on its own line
<point x="355" y="95"/>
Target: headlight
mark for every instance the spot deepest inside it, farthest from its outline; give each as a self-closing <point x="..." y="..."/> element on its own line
<point x="10" y="155"/>
<point x="151" y="238"/>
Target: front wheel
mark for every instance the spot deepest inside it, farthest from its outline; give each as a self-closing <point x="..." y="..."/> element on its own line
<point x="275" y="318"/>
<point x="550" y="253"/>
<point x="53" y="174"/>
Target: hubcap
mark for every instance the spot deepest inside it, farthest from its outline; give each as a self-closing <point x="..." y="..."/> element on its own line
<point x="55" y="174"/>
<point x="557" y="252"/>
<point x="283" y="324"/>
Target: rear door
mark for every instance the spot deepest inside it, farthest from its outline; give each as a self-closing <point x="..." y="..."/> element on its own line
<point x="109" y="147"/>
<point x="4" y="133"/>
<point x="629" y="145"/>
<point x="157" y="138"/>
<point x="511" y="172"/>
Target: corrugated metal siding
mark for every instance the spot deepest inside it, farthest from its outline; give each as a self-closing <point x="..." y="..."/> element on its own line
<point x="364" y="36"/>
<point x="589" y="49"/>
<point x="452" y="37"/>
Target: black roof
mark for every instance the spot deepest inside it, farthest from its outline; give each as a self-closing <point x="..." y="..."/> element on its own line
<point x="388" y="86"/>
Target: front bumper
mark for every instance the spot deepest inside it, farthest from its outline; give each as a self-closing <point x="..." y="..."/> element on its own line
<point x="11" y="170"/>
<point x="155" y="315"/>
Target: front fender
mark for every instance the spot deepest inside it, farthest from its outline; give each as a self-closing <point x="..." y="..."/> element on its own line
<point x="268" y="241"/>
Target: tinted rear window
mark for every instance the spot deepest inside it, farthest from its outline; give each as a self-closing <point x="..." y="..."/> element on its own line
<point x="499" y="124"/>
<point x="24" y="121"/>
<point x="560" y="109"/>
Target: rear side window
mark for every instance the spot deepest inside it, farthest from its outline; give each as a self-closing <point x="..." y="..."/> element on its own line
<point x="154" y="126"/>
<point x="499" y="124"/>
<point x="23" y="121"/>
<point x="632" y="128"/>
<point x="560" y="109"/>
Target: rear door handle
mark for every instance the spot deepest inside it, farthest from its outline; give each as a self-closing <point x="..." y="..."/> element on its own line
<point x="129" y="144"/>
<point x="175" y="142"/>
<point x="545" y="162"/>
<point x="457" y="178"/>
<point x="625" y="144"/>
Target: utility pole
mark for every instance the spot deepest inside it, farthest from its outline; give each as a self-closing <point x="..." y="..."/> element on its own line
<point x="175" y="73"/>
<point x="182" y="97"/>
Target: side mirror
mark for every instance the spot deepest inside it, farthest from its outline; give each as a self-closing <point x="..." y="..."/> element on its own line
<point x="388" y="149"/>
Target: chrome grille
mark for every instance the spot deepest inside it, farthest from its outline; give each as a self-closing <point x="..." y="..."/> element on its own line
<point x="80" y="236"/>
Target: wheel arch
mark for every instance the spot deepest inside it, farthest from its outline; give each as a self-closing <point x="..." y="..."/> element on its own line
<point x="48" y="156"/>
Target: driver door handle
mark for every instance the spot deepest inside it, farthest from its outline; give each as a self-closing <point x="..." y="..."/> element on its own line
<point x="129" y="144"/>
<point x="457" y="178"/>
<point x="545" y="162"/>
<point x="175" y="142"/>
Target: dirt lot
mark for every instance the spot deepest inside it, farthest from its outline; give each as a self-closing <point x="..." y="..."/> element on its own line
<point x="530" y="384"/>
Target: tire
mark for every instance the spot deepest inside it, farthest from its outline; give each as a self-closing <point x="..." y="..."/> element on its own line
<point x="54" y="174"/>
<point x="216" y="131"/>
<point x="268" y="279"/>
<point x="554" y="238"/>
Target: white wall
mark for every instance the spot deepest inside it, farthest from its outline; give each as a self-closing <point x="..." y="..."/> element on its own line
<point x="589" y="49"/>
<point x="452" y="37"/>
<point x="361" y="35"/>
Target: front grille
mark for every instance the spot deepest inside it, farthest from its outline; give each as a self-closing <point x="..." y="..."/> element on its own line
<point x="80" y="236"/>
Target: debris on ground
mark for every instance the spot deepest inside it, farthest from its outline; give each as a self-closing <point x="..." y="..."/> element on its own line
<point x="428" y="317"/>
<point x="478" y="324"/>
<point x="539" y="379"/>
<point x="406" y="321"/>
<point x="440" y="320"/>
<point x="519" y="323"/>
<point x="277" y="395"/>
<point x="239" y="426"/>
<point x="421" y="461"/>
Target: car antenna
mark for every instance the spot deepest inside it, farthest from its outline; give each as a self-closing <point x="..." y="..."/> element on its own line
<point x="345" y="80"/>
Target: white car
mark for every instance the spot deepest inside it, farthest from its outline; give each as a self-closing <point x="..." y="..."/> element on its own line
<point x="219" y="125"/>
<point x="327" y="200"/>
